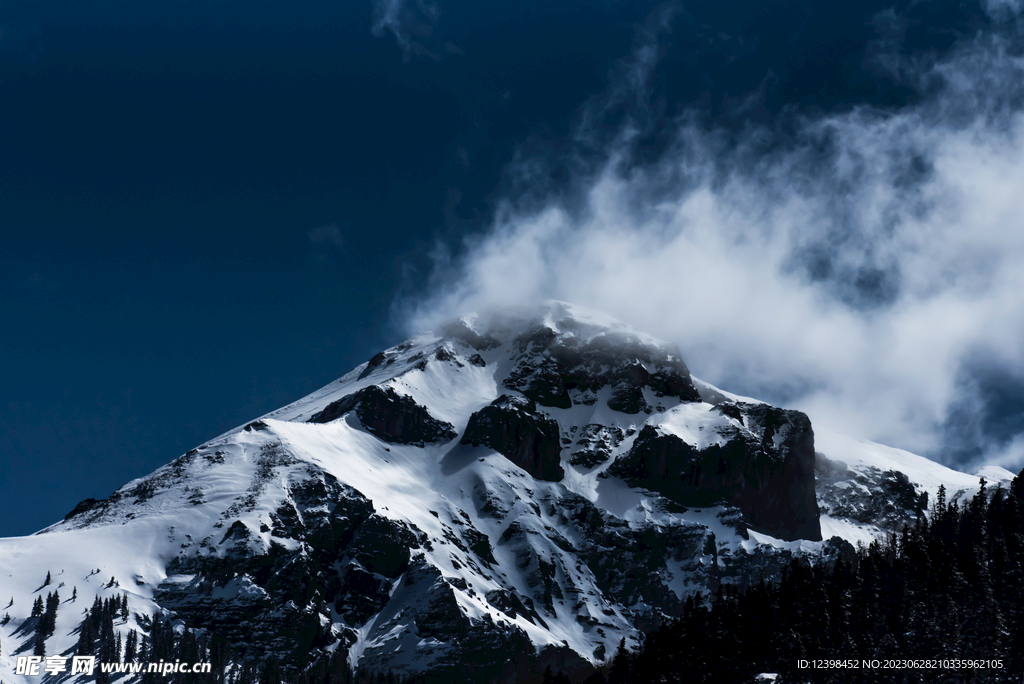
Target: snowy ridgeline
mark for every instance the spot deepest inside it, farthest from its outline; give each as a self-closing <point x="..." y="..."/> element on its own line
<point x="545" y="483"/>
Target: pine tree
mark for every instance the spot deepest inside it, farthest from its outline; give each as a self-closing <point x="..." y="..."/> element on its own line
<point x="48" y="580"/>
<point x="130" y="646"/>
<point x="95" y="613"/>
<point x="107" y="645"/>
<point x="40" y="647"/>
<point x="43" y="628"/>
<point x="49" y="618"/>
<point x="270" y="672"/>
<point x="619" y="672"/>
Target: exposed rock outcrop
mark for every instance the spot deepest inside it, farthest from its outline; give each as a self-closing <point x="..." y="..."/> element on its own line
<point x="393" y="417"/>
<point x="766" y="470"/>
<point x="886" y="499"/>
<point x="325" y="547"/>
<point x="557" y="370"/>
<point x="427" y="627"/>
<point x="596" y="443"/>
<point x="512" y="427"/>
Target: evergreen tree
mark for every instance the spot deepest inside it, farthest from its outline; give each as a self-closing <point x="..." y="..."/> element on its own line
<point x="50" y="616"/>
<point x="620" y="667"/>
<point x="40" y="645"/>
<point x="96" y="613"/>
<point x="43" y="628"/>
<point x="130" y="645"/>
<point x="84" y="647"/>
<point x="270" y="672"/>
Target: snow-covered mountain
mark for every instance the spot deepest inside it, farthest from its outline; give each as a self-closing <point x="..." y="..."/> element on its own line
<point x="526" y="487"/>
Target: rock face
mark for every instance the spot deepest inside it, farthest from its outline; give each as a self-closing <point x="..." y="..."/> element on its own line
<point x="764" y="466"/>
<point x="512" y="427"/>
<point x="237" y="584"/>
<point x="630" y="561"/>
<point x="559" y="371"/>
<point x="436" y="634"/>
<point x="391" y="416"/>
<point x="595" y="444"/>
<point x="885" y="499"/>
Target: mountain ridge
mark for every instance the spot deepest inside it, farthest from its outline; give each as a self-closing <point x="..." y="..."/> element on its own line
<point x="503" y="487"/>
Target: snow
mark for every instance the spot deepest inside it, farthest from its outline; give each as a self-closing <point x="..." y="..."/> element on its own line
<point x="452" y="393"/>
<point x="696" y="424"/>
<point x="714" y="395"/>
<point x="562" y="317"/>
<point x="196" y="500"/>
<point x="995" y="475"/>
<point x="72" y="557"/>
<point x="852" y="532"/>
<point x="859" y="454"/>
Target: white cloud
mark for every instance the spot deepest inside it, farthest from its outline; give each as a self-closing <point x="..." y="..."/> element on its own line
<point x="855" y="283"/>
<point x="1009" y="456"/>
<point x="408" y="21"/>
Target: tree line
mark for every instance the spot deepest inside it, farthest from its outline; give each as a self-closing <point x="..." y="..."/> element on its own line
<point x="948" y="588"/>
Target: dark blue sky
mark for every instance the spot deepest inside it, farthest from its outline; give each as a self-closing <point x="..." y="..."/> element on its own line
<point x="208" y="208"/>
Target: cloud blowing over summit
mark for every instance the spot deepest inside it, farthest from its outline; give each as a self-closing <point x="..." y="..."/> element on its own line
<point x="862" y="262"/>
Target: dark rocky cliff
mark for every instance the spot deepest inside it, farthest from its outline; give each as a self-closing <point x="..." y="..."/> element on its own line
<point x="512" y="426"/>
<point x="559" y="371"/>
<point x="765" y="470"/>
<point x="391" y="416"/>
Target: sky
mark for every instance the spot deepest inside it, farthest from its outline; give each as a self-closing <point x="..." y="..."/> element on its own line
<point x="210" y="208"/>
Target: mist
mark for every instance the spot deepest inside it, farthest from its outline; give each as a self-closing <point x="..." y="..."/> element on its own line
<point x="864" y="266"/>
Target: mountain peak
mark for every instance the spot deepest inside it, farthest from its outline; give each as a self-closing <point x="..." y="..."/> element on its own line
<point x="564" y="319"/>
<point x="542" y="480"/>
<point x="566" y="322"/>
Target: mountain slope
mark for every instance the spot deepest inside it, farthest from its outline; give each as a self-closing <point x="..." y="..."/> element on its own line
<point x="541" y="483"/>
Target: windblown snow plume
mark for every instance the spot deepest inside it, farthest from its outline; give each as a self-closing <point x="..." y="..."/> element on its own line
<point x="408" y="21"/>
<point x="864" y="267"/>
